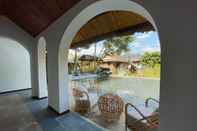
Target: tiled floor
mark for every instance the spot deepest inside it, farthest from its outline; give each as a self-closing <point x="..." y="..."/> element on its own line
<point x="96" y="117"/>
<point x="21" y="113"/>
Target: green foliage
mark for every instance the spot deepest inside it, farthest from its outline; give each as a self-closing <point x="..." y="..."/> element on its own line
<point x="117" y="45"/>
<point x="150" y="59"/>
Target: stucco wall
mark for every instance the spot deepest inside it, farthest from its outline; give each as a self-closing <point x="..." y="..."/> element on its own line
<point x="18" y="43"/>
<point x="177" y="26"/>
<point x="14" y="67"/>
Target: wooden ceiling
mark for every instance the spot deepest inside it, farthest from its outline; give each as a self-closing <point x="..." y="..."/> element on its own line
<point x="35" y="15"/>
<point x="114" y="23"/>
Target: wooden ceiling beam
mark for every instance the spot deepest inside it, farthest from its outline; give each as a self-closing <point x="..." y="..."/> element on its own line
<point x="146" y="26"/>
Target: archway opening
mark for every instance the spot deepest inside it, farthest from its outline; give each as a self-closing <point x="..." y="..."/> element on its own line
<point x="135" y="76"/>
<point x="42" y="68"/>
<point x="77" y="21"/>
<point x="15" y="71"/>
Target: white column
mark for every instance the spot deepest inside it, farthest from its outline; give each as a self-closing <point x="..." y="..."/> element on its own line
<point x="42" y="74"/>
<point x="34" y="72"/>
<point x="57" y="86"/>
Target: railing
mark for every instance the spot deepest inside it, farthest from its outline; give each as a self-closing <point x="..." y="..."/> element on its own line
<point x="150" y="119"/>
<point x="126" y="112"/>
<point x="150" y="99"/>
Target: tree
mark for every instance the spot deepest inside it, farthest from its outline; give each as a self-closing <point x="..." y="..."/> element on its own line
<point x="150" y="59"/>
<point x="76" y="64"/>
<point x="116" y="45"/>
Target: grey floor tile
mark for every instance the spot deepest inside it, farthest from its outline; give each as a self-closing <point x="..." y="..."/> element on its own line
<point x="21" y="113"/>
<point x="60" y="128"/>
<point x="49" y="124"/>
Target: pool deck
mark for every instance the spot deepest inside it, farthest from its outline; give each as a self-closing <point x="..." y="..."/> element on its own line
<point x="92" y="76"/>
<point x="83" y="76"/>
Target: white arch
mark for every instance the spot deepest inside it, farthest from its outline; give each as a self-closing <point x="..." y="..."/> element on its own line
<point x="42" y="73"/>
<point x="81" y="19"/>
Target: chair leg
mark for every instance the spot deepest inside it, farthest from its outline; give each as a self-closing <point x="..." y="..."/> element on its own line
<point x="126" y="125"/>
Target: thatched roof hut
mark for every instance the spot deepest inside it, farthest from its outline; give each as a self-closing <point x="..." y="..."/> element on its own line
<point x="114" y="59"/>
<point x="114" y="62"/>
<point x="89" y="58"/>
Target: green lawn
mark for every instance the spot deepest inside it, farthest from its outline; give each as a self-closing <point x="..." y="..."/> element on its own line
<point x="147" y="72"/>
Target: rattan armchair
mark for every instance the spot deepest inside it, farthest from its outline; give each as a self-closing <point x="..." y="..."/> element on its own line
<point x="144" y="123"/>
<point x="82" y="101"/>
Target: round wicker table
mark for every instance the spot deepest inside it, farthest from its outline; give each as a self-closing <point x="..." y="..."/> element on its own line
<point x="111" y="106"/>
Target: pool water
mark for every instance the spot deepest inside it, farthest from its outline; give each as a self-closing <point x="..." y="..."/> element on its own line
<point x="138" y="87"/>
<point x="131" y="89"/>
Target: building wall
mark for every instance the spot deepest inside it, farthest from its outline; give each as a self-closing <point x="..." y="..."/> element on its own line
<point x="18" y="59"/>
<point x="15" y="66"/>
<point x="177" y="29"/>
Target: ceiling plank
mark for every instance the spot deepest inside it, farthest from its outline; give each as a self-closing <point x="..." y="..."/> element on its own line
<point x="146" y="26"/>
<point x="106" y="23"/>
<point x="34" y="16"/>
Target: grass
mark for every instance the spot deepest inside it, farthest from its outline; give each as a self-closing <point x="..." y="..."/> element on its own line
<point x="147" y="72"/>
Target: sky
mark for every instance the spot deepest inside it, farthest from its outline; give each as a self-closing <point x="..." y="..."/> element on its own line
<point x="143" y="42"/>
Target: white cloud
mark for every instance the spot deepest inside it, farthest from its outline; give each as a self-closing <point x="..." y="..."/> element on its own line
<point x="135" y="44"/>
<point x="151" y="49"/>
<point x="143" y="35"/>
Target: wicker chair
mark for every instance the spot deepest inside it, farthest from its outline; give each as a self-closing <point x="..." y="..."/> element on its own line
<point x="82" y="101"/>
<point x="144" y="122"/>
<point x="110" y="106"/>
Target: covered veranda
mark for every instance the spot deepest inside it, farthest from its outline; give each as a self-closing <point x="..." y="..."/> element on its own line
<point x="174" y="21"/>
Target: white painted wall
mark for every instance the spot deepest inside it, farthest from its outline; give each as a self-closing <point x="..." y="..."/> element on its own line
<point x="18" y="37"/>
<point x="14" y="66"/>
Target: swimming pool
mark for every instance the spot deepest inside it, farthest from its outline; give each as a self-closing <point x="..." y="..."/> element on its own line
<point x="139" y="87"/>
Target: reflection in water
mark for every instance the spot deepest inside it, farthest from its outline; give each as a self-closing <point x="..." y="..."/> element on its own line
<point x="139" y="87"/>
